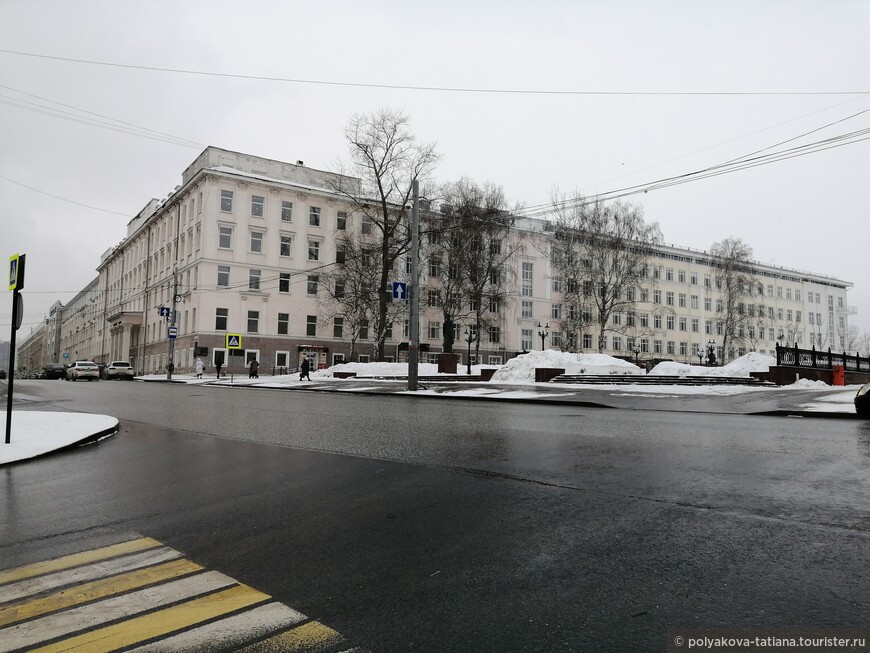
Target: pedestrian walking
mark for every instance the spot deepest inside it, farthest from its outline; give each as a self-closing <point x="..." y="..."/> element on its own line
<point x="218" y="364"/>
<point x="200" y="367"/>
<point x="306" y="366"/>
<point x="254" y="372"/>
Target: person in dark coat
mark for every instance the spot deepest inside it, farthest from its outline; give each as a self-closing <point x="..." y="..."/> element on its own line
<point x="255" y="369"/>
<point x="306" y="366"/>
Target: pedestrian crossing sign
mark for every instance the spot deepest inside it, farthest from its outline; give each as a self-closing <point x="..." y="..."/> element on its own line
<point x="234" y="341"/>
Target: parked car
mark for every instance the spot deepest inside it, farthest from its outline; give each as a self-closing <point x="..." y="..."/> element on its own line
<point x="83" y="370"/>
<point x="862" y="401"/>
<point x="119" y="370"/>
<point x="54" y="371"/>
<point x="2" y="374"/>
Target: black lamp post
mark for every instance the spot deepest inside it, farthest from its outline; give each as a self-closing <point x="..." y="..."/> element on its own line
<point x="711" y="356"/>
<point x="469" y="338"/>
<point x="700" y="357"/>
<point x="543" y="332"/>
<point x="636" y="351"/>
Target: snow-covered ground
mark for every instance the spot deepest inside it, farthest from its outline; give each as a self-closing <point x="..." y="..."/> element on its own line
<point x="35" y="433"/>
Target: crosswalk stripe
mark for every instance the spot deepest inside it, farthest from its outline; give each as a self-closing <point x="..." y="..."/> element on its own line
<point x="310" y="637"/>
<point x="232" y="632"/>
<point x="155" y="624"/>
<point x="28" y="571"/>
<point x="75" y="620"/>
<point x="94" y="590"/>
<point x="31" y="586"/>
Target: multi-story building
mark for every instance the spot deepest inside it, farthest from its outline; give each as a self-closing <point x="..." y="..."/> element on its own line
<point x="242" y="244"/>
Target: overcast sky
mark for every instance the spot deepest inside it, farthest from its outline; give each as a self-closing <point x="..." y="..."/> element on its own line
<point x="629" y="93"/>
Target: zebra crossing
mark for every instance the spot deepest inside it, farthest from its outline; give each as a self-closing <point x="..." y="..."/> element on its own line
<point x="140" y="595"/>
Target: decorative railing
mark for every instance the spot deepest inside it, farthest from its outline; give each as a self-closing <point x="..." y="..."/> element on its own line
<point x="822" y="360"/>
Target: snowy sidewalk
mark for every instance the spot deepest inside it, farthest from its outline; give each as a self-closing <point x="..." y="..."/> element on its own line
<point x="35" y="433"/>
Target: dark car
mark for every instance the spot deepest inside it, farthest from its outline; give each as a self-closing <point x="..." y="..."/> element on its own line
<point x="54" y="371"/>
<point x="2" y="374"/>
<point x="862" y="401"/>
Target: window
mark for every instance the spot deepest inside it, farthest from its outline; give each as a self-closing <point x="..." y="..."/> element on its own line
<point x="310" y="325"/>
<point x="657" y="346"/>
<point x="681" y="276"/>
<point x="587" y="341"/>
<point x="644" y="320"/>
<point x="797" y="295"/>
<point x="695" y="325"/>
<point x="770" y="290"/>
<point x="682" y="300"/>
<point x="617" y="318"/>
<point x="669" y="274"/>
<point x="694" y="299"/>
<point x="644" y="294"/>
<point x="657" y="296"/>
<point x="339" y="289"/>
<point x="671" y="347"/>
<point x="284" y="282"/>
<point x="434" y="298"/>
<point x="314" y="216"/>
<point x="313" y="250"/>
<point x="682" y="324"/>
<point x="434" y="330"/>
<point x="708" y="304"/>
<point x="495" y="277"/>
<point x="494" y="334"/>
<point x="527" y="279"/>
<point x="495" y="305"/>
<point x="670" y="322"/>
<point x="253" y="321"/>
<point x="286" y="211"/>
<point x="283" y="324"/>
<point x="341" y="221"/>
<point x="257" y="204"/>
<point x="644" y="345"/>
<point x="434" y="267"/>
<point x="556" y="311"/>
<point x="225" y="237"/>
<point x="281" y="358"/>
<point x="526" y="339"/>
<point x="363" y="329"/>
<point x="788" y="293"/>
<point x="366" y="225"/>
<point x="797" y="316"/>
<point x="223" y="277"/>
<point x="684" y="348"/>
<point x="779" y="291"/>
<point x="221" y="315"/>
<point x="286" y="243"/>
<point x="338" y="327"/>
<point x="254" y="279"/>
<point x="693" y="278"/>
<point x="527" y="308"/>
<point x="311" y="287"/>
<point x="617" y="343"/>
<point x="340" y="253"/>
<point x="669" y="298"/>
<point x="227" y="201"/>
<point x="557" y="284"/>
<point x="257" y="242"/>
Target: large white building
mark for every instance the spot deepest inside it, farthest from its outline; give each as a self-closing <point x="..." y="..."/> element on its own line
<point x="238" y="248"/>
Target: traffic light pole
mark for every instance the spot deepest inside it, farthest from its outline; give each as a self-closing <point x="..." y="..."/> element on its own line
<point x="16" y="312"/>
<point x="413" y="294"/>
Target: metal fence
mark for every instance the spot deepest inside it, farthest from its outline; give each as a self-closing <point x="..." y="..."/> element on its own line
<point x="821" y="360"/>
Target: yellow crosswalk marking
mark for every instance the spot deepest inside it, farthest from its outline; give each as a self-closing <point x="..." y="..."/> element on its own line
<point x="95" y="590"/>
<point x="65" y="562"/>
<point x="307" y="638"/>
<point x="156" y="624"/>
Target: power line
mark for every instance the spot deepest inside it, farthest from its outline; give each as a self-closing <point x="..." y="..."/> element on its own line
<point x="62" y="199"/>
<point x="439" y="89"/>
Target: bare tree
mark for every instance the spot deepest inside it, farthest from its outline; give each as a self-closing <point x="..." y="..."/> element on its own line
<point x="601" y="253"/>
<point x="470" y="243"/>
<point x="386" y="158"/>
<point x="735" y="282"/>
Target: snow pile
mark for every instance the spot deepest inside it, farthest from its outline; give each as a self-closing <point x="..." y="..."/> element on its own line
<point x="375" y="369"/>
<point x="751" y="362"/>
<point x="522" y="368"/>
<point x="809" y="385"/>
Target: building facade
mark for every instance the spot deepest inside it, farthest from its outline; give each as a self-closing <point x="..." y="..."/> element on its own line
<point x="241" y="245"/>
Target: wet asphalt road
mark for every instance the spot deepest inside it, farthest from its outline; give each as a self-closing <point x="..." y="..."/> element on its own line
<point x="443" y="525"/>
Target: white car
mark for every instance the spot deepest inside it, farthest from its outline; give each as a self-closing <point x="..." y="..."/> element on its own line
<point x="83" y="370"/>
<point x="119" y="370"/>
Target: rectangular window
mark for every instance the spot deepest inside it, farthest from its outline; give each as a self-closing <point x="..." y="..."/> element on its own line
<point x="557" y="284"/>
<point x="684" y="348"/>
<point x="527" y="308"/>
<point x="363" y="329"/>
<point x="253" y="321"/>
<point x="341" y="221"/>
<point x="223" y="278"/>
<point x="527" y="279"/>
<point x="284" y="282"/>
<point x="644" y="294"/>
<point x="339" y="289"/>
<point x="657" y="296"/>
<point x="672" y="347"/>
<point x="366" y="225"/>
<point x="227" y="201"/>
<point x="681" y="276"/>
<point x="556" y="311"/>
<point x="669" y="274"/>
<point x="221" y="315"/>
<point x="314" y="216"/>
<point x="340" y="253"/>
<point x="788" y="293"/>
<point x="693" y="278"/>
<point x="644" y="320"/>
<point x="494" y="334"/>
<point x="286" y="244"/>
<point x="311" y="325"/>
<point x="283" y="324"/>
<point x="311" y="286"/>
<point x="257" y="204"/>
<point x="225" y="237"/>
<point x="434" y="298"/>
<point x="669" y="298"/>
<point x="670" y="322"/>
<point x="338" y="327"/>
<point x="694" y="299"/>
<point x="286" y="211"/>
<point x="682" y="300"/>
<point x="313" y="250"/>
<point x="495" y="305"/>
<point x="434" y="267"/>
<point x="257" y="242"/>
<point x="526" y="339"/>
<point x="695" y="325"/>
<point x="254" y="279"/>
<point x="434" y="330"/>
<point x="617" y="343"/>
<point x="708" y="304"/>
<point x="682" y="324"/>
<point x="657" y="346"/>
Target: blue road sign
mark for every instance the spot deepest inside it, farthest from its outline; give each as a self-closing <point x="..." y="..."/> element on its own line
<point x="400" y="290"/>
<point x="173" y="332"/>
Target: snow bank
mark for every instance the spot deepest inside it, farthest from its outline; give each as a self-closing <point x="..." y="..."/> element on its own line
<point x="751" y="362"/>
<point x="375" y="369"/>
<point x="522" y="368"/>
<point x="809" y="384"/>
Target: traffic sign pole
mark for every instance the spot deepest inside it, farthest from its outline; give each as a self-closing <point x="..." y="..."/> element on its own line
<point x="16" y="283"/>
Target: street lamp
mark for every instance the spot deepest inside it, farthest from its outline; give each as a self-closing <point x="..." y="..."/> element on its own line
<point x="636" y="351"/>
<point x="469" y="338"/>
<point x="700" y="357"/>
<point x="543" y="332"/>
<point x="711" y="356"/>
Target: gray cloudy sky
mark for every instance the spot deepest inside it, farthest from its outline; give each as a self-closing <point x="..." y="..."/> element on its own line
<point x="689" y="85"/>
